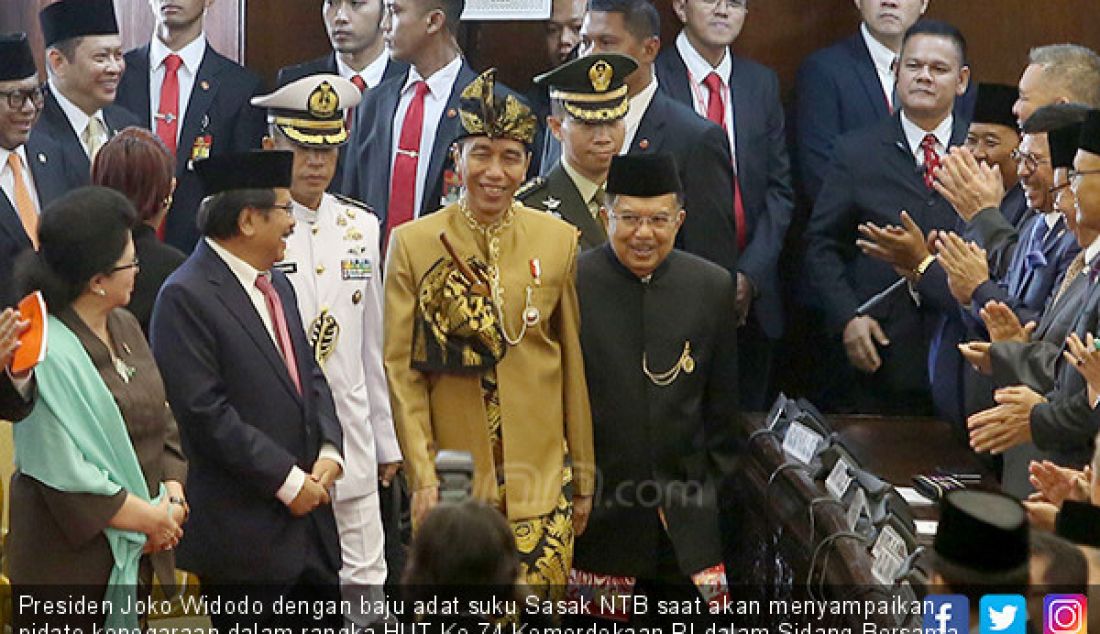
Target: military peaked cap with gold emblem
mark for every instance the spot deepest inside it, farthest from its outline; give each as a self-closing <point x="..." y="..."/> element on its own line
<point x="310" y="111"/>
<point x="486" y="110"/>
<point x="592" y="88"/>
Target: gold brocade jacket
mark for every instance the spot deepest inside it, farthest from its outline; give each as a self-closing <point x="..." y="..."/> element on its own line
<point x="542" y="389"/>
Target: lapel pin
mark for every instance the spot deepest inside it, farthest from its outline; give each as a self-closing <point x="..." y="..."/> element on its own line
<point x="451" y="113"/>
<point x="644" y="144"/>
<point x="205" y="85"/>
<point x="41" y="158"/>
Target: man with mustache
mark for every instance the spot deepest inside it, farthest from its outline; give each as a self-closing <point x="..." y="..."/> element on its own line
<point x="879" y="174"/>
<point x="194" y="99"/>
<point x="85" y="64"/>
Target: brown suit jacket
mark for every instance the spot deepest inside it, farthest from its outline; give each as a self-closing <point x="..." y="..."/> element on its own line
<point x="543" y="394"/>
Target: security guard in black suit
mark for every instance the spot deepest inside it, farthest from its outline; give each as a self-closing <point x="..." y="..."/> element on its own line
<point x="588" y="101"/>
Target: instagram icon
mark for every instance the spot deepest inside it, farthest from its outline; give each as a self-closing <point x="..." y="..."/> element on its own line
<point x="1065" y="614"/>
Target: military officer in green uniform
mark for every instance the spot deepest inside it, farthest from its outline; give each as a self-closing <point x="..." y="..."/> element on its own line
<point x="588" y="102"/>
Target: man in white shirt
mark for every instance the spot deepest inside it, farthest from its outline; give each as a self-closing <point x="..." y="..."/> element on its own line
<point x="741" y="97"/>
<point x="399" y="158"/>
<point x="255" y="413"/>
<point x="881" y="174"/>
<point x="85" y="65"/>
<point x="333" y="264"/>
<point x="194" y="99"/>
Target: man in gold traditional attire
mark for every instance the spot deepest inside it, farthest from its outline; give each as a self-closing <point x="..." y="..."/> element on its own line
<point x="482" y="349"/>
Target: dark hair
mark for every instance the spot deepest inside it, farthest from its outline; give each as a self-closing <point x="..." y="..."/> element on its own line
<point x="218" y="214"/>
<point x="1055" y="116"/>
<point x="67" y="47"/>
<point x="80" y="235"/>
<point x="136" y="163"/>
<point x="1067" y="569"/>
<point x="938" y="28"/>
<point x="452" y="11"/>
<point x="462" y="549"/>
<point x="641" y="17"/>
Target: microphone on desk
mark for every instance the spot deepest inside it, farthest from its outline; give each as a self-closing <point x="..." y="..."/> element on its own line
<point x="881" y="297"/>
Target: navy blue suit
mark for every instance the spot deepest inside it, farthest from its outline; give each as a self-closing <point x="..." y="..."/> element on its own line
<point x="370" y="151"/>
<point x="75" y="166"/>
<point x="219" y="108"/>
<point x="327" y="64"/>
<point x="44" y="158"/>
<point x="764" y="176"/>
<point x="838" y="91"/>
<point x="243" y="425"/>
<point x="1027" y="286"/>
<point x="874" y="176"/>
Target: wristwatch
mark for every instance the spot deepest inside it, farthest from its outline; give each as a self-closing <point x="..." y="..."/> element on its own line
<point x="924" y="264"/>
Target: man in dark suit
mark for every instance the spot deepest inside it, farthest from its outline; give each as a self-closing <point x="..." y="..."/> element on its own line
<point x="194" y="99"/>
<point x="588" y="102"/>
<point x="655" y="122"/>
<point x="877" y="173"/>
<point x="670" y="421"/>
<point x="850" y="84"/>
<point x="399" y="158"/>
<point x="993" y="139"/>
<point x="84" y="58"/>
<point x="742" y="98"/>
<point x="256" y="416"/>
<point x="29" y="179"/>
<point x="358" y="54"/>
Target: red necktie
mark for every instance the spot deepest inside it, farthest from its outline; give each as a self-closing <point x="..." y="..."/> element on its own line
<point x="168" y="110"/>
<point x="362" y="86"/>
<point x="278" y="320"/>
<point x="931" y="159"/>
<point x="403" y="179"/>
<point x="716" y="113"/>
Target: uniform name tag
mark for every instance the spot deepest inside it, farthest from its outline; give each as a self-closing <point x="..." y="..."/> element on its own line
<point x="288" y="268"/>
<point x="356" y="269"/>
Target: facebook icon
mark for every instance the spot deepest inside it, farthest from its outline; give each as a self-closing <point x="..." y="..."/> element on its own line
<point x="946" y="614"/>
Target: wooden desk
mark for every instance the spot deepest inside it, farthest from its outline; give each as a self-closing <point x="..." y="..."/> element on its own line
<point x="796" y="513"/>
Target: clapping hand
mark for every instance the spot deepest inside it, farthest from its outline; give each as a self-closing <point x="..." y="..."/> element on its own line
<point x="1007" y="424"/>
<point x="1003" y="324"/>
<point x="12" y="325"/>
<point x="969" y="185"/>
<point x="965" y="264"/>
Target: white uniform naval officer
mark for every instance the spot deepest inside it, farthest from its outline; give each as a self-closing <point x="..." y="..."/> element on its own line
<point x="332" y="259"/>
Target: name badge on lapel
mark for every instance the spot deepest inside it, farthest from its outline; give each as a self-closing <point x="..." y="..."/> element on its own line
<point x="288" y="268"/>
<point x="356" y="269"/>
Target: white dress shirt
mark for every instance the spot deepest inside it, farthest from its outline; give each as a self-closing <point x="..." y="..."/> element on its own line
<point x="639" y="103"/>
<point x="192" y="55"/>
<point x="698" y="69"/>
<point x="78" y="119"/>
<point x="914" y="136"/>
<point x="883" y="58"/>
<point x="7" y="176"/>
<point x="246" y="275"/>
<point x="372" y="74"/>
<point x="440" y="85"/>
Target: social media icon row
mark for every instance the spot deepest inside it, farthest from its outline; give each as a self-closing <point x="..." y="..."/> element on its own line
<point x="1004" y="614"/>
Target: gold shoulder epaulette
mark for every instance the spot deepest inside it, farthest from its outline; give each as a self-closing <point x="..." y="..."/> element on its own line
<point x="530" y="186"/>
<point x="353" y="203"/>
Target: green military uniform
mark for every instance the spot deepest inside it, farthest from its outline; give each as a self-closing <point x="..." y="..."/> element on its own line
<point x="591" y="90"/>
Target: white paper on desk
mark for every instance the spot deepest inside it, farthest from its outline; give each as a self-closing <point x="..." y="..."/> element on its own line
<point x="926" y="527"/>
<point x="913" y="497"/>
<point x="838" y="481"/>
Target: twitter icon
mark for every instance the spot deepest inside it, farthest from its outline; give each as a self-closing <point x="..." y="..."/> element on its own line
<point x="1003" y="614"/>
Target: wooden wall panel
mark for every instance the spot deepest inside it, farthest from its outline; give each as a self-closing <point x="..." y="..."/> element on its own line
<point x="135" y="22"/>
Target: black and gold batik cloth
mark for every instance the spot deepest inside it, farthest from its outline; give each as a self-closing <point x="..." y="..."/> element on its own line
<point x="459" y="330"/>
